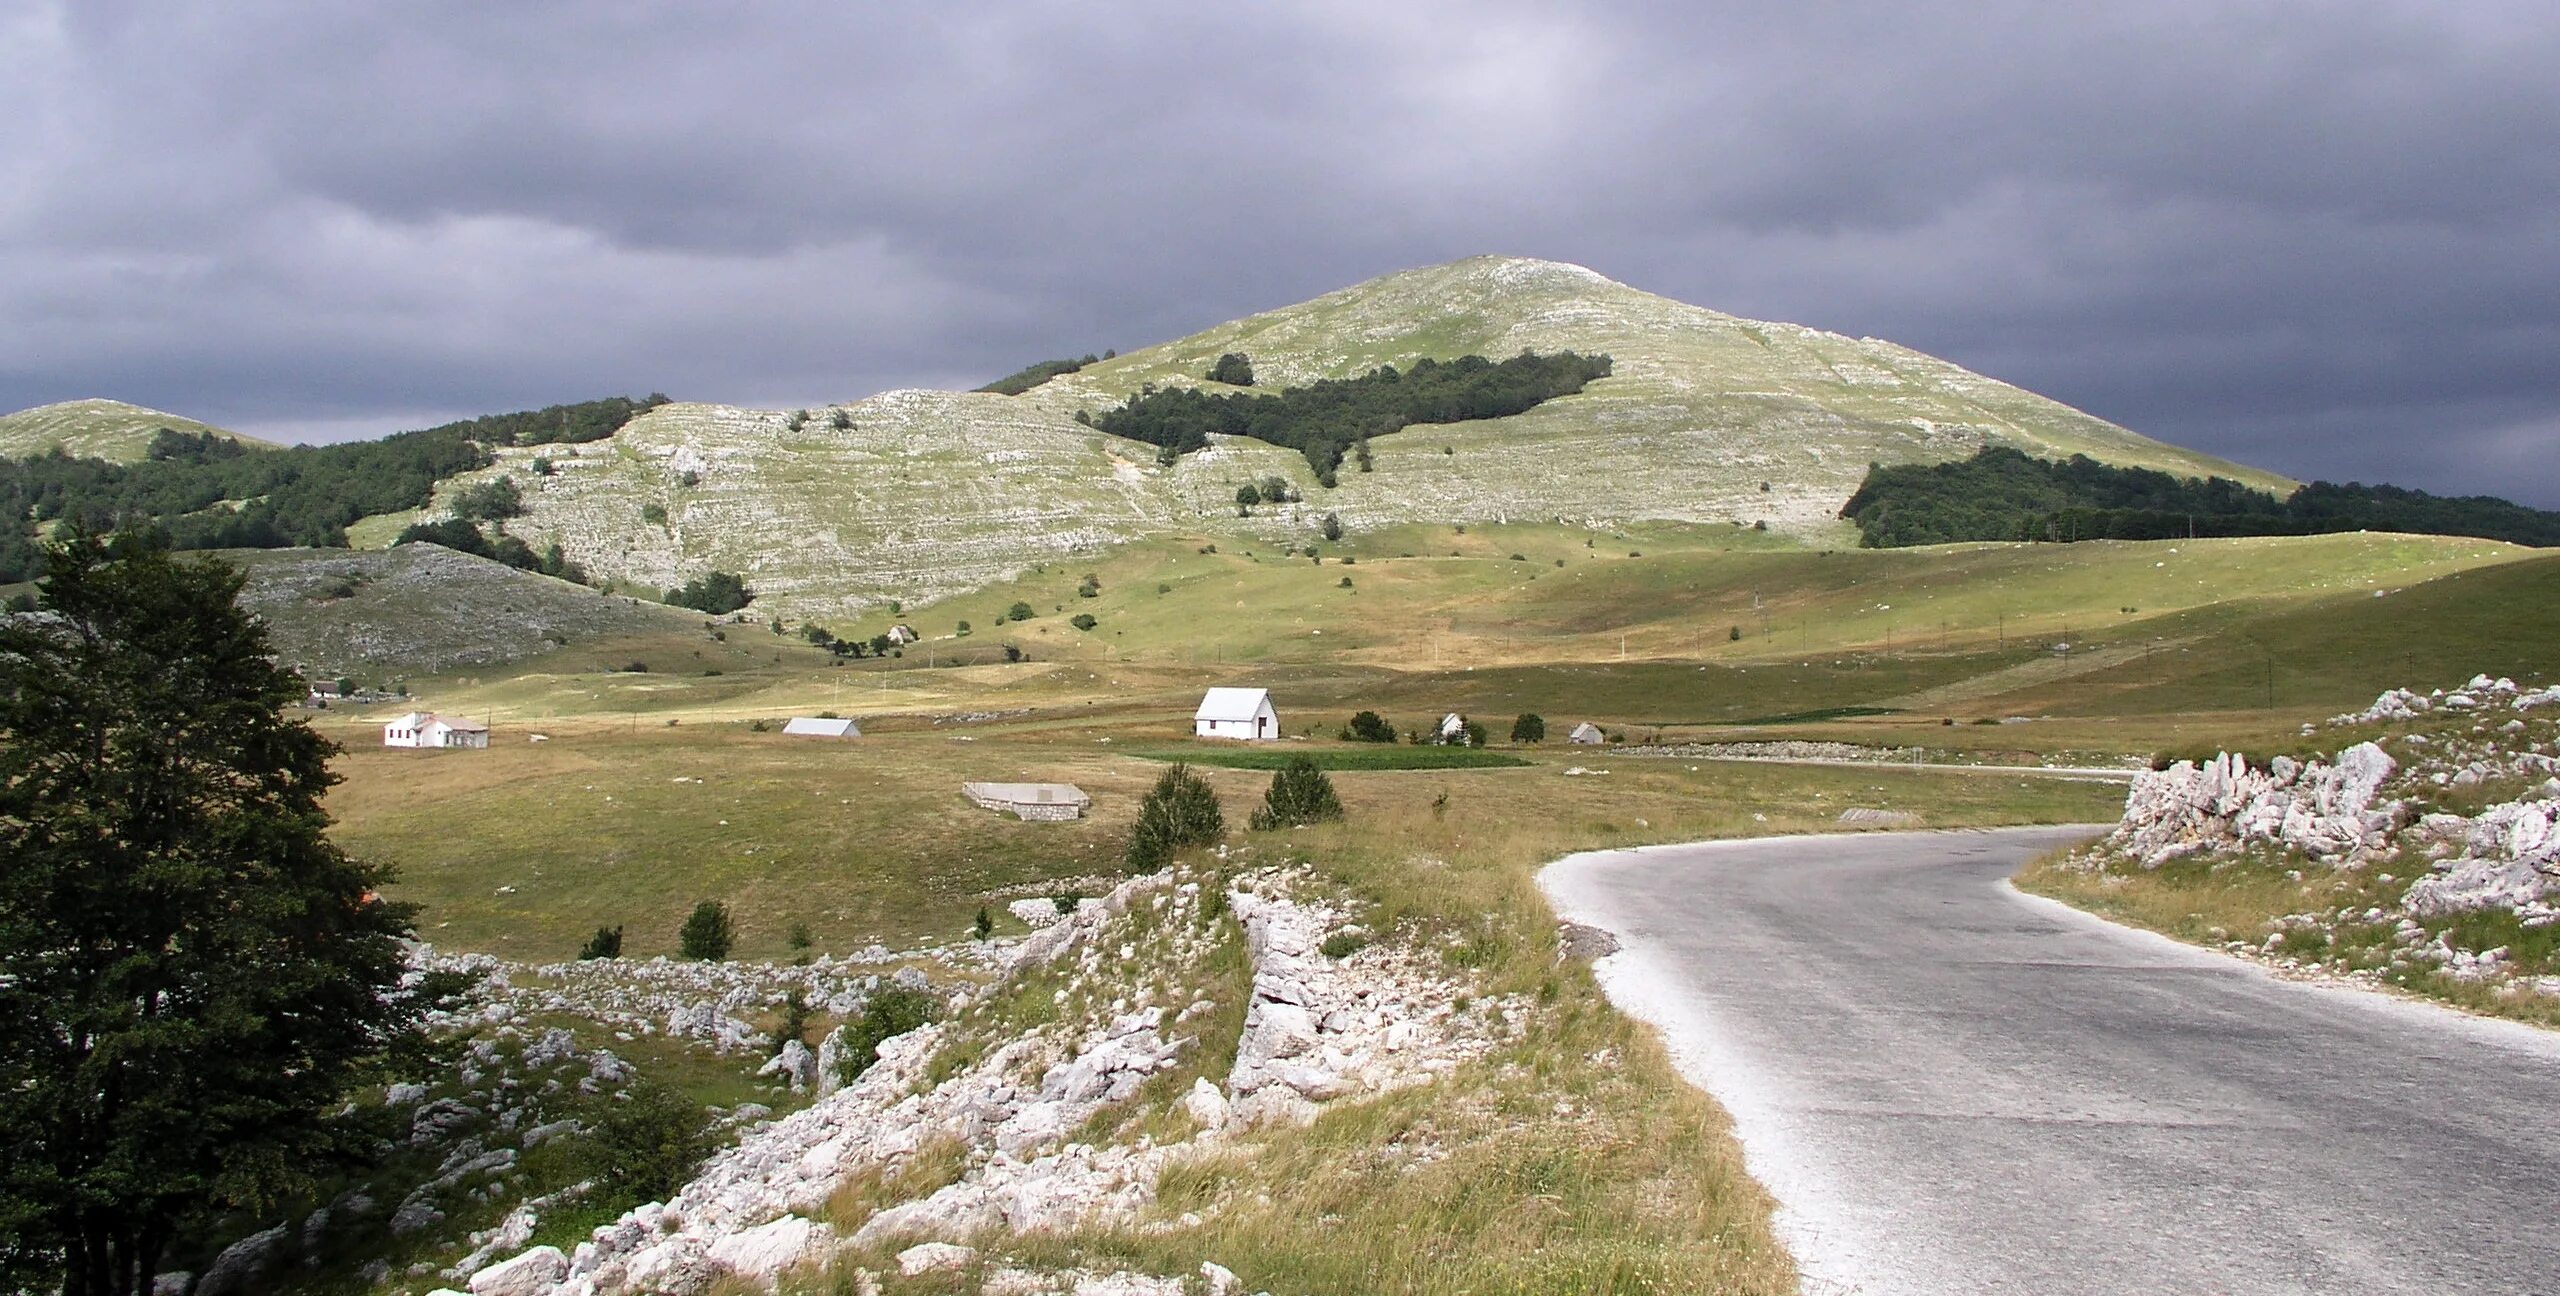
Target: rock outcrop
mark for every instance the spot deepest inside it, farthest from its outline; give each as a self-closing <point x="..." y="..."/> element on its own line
<point x="2468" y="811"/>
<point x="2321" y="808"/>
<point x="1336" y="1012"/>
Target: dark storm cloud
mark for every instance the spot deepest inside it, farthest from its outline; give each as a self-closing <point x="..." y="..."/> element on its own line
<point x="2317" y="237"/>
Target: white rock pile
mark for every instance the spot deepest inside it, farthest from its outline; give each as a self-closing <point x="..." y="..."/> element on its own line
<point x="2468" y="811"/>
<point x="2322" y="808"/>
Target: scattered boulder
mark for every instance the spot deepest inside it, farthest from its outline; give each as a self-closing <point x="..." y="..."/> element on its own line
<point x="927" y="1257"/>
<point x="533" y="1273"/>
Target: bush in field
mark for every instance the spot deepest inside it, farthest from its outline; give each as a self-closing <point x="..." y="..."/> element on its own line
<point x="1182" y="810"/>
<point x="887" y="1014"/>
<point x="647" y="1144"/>
<point x="707" y="934"/>
<point x="1300" y="794"/>
<point x="605" y="944"/>
<point x="1529" y="728"/>
<point x="1368" y="726"/>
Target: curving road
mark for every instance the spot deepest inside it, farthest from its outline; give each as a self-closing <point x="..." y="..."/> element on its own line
<point x="1951" y="1087"/>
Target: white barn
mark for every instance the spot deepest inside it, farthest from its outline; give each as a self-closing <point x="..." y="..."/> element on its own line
<point x="427" y="729"/>
<point x="816" y="727"/>
<point x="1243" y="713"/>
<point x="1586" y="734"/>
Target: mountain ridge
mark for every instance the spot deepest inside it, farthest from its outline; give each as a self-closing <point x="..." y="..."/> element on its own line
<point x="100" y="428"/>
<point x="1708" y="418"/>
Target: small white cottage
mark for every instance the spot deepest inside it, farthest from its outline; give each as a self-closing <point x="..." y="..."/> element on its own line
<point x="903" y="634"/>
<point x="819" y="727"/>
<point x="1585" y="734"/>
<point x="1236" y="713"/>
<point x="427" y="729"/>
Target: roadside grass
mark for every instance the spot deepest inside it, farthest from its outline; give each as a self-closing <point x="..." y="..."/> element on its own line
<point x="1379" y="756"/>
<point x="2215" y="903"/>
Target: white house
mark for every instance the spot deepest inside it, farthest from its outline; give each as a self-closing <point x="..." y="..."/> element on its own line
<point x="1236" y="713"/>
<point x="1586" y="734"/>
<point x="427" y="729"/>
<point x="903" y="634"/>
<point x="815" y="727"/>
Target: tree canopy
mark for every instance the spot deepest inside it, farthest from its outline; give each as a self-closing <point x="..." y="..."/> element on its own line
<point x="195" y="976"/>
<point x="1323" y="420"/>
<point x="1032" y="375"/>
<point x="717" y="593"/>
<point x="2004" y="494"/>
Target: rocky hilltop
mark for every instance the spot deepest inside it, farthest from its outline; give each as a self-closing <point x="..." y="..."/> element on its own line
<point x="1708" y="418"/>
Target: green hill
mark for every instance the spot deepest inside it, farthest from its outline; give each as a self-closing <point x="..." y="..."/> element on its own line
<point x="917" y="495"/>
<point x="98" y="429"/>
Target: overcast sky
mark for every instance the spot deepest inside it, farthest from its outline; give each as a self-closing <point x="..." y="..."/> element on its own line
<point x="2323" y="238"/>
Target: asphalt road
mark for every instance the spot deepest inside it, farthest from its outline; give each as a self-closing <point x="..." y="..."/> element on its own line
<point x="1952" y="1087"/>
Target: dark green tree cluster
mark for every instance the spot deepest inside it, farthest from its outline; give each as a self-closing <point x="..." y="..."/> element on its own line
<point x="1368" y="726"/>
<point x="717" y="593"/>
<point x="196" y="978"/>
<point x="465" y="537"/>
<point x="494" y="500"/>
<point x="1180" y="811"/>
<point x="2003" y="494"/>
<point x="1299" y="794"/>
<point x="299" y="495"/>
<point x="1529" y="728"/>
<point x="1032" y="375"/>
<point x="1234" y="369"/>
<point x="1324" y="420"/>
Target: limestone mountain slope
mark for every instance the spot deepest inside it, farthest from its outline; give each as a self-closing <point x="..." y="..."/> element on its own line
<point x="1708" y="418"/>
<point x="98" y="429"/>
<point x="421" y="610"/>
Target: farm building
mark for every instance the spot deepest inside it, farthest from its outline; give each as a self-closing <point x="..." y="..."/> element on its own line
<point x="427" y="729"/>
<point x="822" y="727"/>
<point x="1236" y="713"/>
<point x="903" y="635"/>
<point x="1586" y="733"/>
<point x="1038" y="802"/>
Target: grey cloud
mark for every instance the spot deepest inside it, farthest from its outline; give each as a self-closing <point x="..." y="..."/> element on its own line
<point x="2289" y="233"/>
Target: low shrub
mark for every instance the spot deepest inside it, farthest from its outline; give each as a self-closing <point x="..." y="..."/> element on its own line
<point x="1300" y="794"/>
<point x="605" y="944"/>
<point x="707" y="933"/>
<point x="1181" y="810"/>
<point x="890" y="1012"/>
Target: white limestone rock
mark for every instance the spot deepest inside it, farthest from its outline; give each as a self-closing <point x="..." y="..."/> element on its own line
<point x="928" y="1257"/>
<point x="765" y="1251"/>
<point x="533" y="1273"/>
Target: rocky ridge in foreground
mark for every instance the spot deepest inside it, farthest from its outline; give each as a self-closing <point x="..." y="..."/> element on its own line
<point x="2442" y="829"/>
<point x="1029" y="1108"/>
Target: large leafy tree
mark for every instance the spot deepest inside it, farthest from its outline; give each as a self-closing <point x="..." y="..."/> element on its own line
<point x="191" y="975"/>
